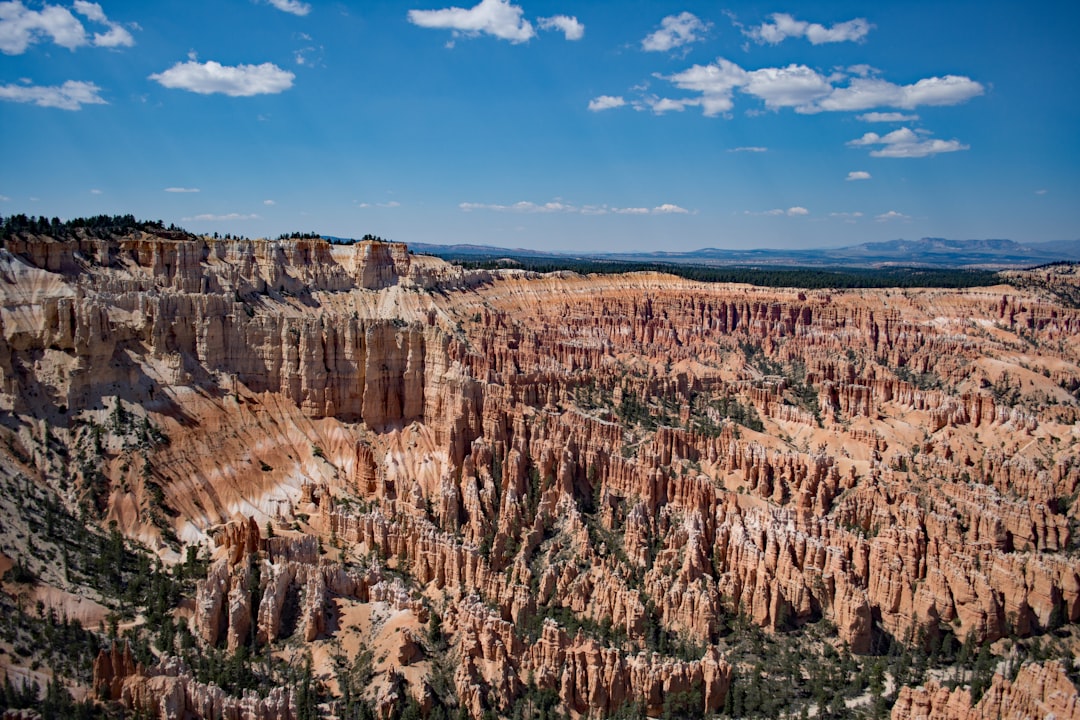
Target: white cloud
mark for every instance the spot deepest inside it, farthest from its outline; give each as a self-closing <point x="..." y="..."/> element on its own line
<point x="867" y="93"/>
<point x="116" y="36"/>
<point x="181" y="190"/>
<point x="226" y="216"/>
<point x="21" y="27"/>
<point x="95" y="191"/>
<point x="606" y="102"/>
<point x="784" y="26"/>
<point x="72" y="95"/>
<point x="269" y="202"/>
<point x="239" y="81"/>
<point x="558" y="206"/>
<point x="849" y="217"/>
<point x="863" y="70"/>
<point x="858" y="175"/>
<point x="663" y="105"/>
<point x="90" y="10"/>
<point x="749" y="149"/>
<point x="1041" y="192"/>
<point x="291" y="6"/>
<point x="886" y="117"/>
<point x="905" y="143"/>
<point x="4" y="198"/>
<point x="676" y="31"/>
<point x="892" y="215"/>
<point x="521" y="207"/>
<point x="776" y="212"/>
<point x="806" y="90"/>
<point x="570" y="27"/>
<point x="715" y="82"/>
<point x="793" y="86"/>
<point x="493" y="17"/>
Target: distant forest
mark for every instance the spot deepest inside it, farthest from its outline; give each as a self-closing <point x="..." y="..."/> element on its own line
<point x="97" y="226"/>
<point x="809" y="278"/>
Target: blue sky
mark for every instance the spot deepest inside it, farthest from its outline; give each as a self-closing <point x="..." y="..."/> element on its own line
<point x="561" y="125"/>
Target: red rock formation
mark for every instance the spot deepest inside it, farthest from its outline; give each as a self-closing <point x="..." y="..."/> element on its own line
<point x="561" y="443"/>
<point x="1039" y="691"/>
<point x="169" y="691"/>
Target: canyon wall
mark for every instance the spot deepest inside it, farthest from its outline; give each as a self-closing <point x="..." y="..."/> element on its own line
<point x="645" y="455"/>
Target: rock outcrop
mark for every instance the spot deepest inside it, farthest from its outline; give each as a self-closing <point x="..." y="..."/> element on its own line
<point x="170" y="692"/>
<point x="1039" y="691"/>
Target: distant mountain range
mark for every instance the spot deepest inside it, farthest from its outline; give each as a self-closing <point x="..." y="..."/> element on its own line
<point x="926" y="252"/>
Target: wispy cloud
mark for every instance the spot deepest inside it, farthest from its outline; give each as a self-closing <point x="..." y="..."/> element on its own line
<point x="858" y="175"/>
<point x="181" y="190"/>
<point x="115" y="36"/>
<point x="570" y="27"/>
<point x="294" y="7"/>
<point x="390" y="204"/>
<point x="749" y="149"/>
<point x="676" y="31"/>
<point x="1042" y="191"/>
<point x="892" y="215"/>
<point x="498" y="18"/>
<point x="72" y="95"/>
<point x="95" y="191"/>
<point x="269" y="202"/>
<point x="239" y="81"/>
<point x="796" y="211"/>
<point x="886" y="117"/>
<point x="558" y="206"/>
<point x="606" y="102"/>
<point x="906" y="143"/>
<point x="785" y="26"/>
<point x="220" y="218"/>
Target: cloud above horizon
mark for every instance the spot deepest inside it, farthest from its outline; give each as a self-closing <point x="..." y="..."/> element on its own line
<point x="219" y="218"/>
<point x="569" y="26"/>
<point x="557" y="206"/>
<point x="906" y="143"/>
<point x="858" y="175"/>
<point x="805" y="90"/>
<point x="294" y="7"/>
<point x="784" y="26"/>
<point x="886" y="117"/>
<point x="21" y="27"/>
<point x="606" y="102"/>
<point x="498" y="18"/>
<point x="796" y="211"/>
<point x="892" y="215"/>
<point x="676" y="31"/>
<point x="212" y="77"/>
<point x="72" y="95"/>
